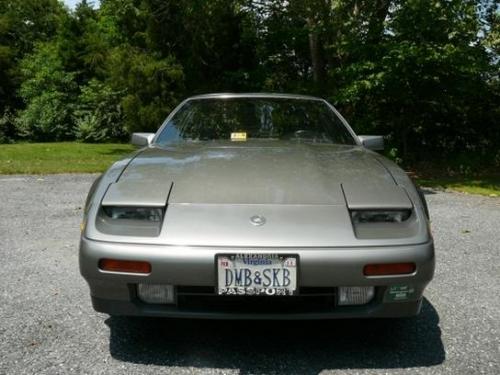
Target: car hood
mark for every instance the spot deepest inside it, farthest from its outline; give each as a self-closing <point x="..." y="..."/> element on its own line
<point x="301" y="193"/>
<point x="278" y="173"/>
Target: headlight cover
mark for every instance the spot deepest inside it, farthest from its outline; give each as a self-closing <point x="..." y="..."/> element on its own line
<point x="130" y="220"/>
<point x="152" y="214"/>
<point x="379" y="216"/>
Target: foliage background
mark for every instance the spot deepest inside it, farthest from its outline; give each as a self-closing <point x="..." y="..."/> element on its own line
<point x="425" y="73"/>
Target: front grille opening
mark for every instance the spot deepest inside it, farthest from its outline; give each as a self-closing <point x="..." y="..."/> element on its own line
<point x="256" y="304"/>
<point x="183" y="289"/>
<point x="317" y="290"/>
<point x="205" y="299"/>
<point x="307" y="290"/>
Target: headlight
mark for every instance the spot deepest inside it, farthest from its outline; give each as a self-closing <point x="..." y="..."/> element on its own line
<point x="380" y="216"/>
<point x="153" y="214"/>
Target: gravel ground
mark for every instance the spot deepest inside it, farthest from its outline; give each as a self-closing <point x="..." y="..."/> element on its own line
<point x="47" y="325"/>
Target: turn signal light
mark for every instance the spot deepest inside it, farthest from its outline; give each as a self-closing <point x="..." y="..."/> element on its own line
<point x="389" y="269"/>
<point x="130" y="266"/>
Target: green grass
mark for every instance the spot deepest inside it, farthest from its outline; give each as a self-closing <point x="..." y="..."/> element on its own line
<point x="61" y="157"/>
<point x="488" y="185"/>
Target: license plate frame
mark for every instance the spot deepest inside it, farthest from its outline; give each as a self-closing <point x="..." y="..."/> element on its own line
<point x="257" y="263"/>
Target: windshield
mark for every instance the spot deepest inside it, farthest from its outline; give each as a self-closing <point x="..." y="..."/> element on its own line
<point x="242" y="119"/>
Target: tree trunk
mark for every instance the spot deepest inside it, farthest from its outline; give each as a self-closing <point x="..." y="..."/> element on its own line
<point x="376" y="25"/>
<point x="317" y="64"/>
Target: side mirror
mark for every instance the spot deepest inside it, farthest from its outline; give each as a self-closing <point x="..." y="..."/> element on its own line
<point x="142" y="139"/>
<point x="372" y="142"/>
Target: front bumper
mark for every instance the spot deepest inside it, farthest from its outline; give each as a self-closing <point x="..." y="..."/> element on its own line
<point x="194" y="267"/>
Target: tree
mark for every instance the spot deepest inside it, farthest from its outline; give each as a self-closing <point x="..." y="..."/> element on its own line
<point x="150" y="86"/>
<point x="424" y="73"/>
<point x="23" y="23"/>
<point x="49" y="93"/>
<point x="212" y="40"/>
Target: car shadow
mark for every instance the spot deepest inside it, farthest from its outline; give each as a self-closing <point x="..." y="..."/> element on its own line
<point x="284" y="347"/>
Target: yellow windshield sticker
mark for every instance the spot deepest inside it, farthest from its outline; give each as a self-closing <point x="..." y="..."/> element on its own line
<point x="241" y="136"/>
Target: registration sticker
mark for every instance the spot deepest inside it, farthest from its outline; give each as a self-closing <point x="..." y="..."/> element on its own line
<point x="239" y="136"/>
<point x="397" y="293"/>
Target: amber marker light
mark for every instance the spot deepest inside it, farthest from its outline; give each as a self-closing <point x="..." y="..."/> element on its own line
<point x="129" y="266"/>
<point x="389" y="269"/>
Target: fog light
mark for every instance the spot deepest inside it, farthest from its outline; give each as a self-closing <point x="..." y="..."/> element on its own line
<point x="156" y="293"/>
<point x="355" y="295"/>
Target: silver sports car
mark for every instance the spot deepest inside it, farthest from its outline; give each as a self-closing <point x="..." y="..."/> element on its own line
<point x="256" y="206"/>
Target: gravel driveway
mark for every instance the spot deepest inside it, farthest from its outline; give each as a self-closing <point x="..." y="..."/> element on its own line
<point x="47" y="325"/>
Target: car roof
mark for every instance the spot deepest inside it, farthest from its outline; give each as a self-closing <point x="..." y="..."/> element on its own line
<point x="227" y="95"/>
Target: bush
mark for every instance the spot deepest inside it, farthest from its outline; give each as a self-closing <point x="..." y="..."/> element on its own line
<point x="7" y="127"/>
<point x="99" y="117"/>
<point x="48" y="117"/>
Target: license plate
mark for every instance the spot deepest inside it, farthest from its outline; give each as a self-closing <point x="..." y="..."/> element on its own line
<point x="257" y="274"/>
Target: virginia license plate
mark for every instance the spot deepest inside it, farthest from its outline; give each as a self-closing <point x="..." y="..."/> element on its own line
<point x="257" y="274"/>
